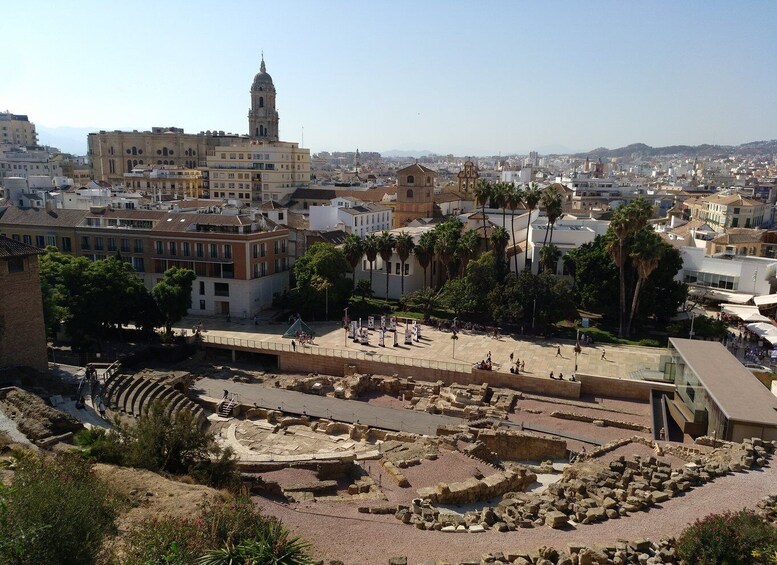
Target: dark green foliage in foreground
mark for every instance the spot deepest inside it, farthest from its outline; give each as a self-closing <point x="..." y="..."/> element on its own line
<point x="730" y="538"/>
<point x="228" y="532"/>
<point x="55" y="512"/>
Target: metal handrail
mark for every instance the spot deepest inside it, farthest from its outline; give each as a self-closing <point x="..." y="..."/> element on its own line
<point x="330" y="352"/>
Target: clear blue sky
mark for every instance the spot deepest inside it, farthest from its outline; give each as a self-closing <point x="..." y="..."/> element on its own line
<point x="471" y="78"/>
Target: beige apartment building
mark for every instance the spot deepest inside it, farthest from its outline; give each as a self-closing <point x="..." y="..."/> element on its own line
<point x="17" y="129"/>
<point x="722" y="211"/>
<point x="165" y="182"/>
<point x="257" y="171"/>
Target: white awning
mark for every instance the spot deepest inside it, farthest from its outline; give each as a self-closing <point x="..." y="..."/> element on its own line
<point x="764" y="331"/>
<point x="720" y="295"/>
<point x="744" y="313"/>
<point x="766" y="300"/>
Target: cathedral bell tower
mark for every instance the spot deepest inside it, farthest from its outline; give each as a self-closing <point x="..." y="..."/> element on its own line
<point x="263" y="117"/>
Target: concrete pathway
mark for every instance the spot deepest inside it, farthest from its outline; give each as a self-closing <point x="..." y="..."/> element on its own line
<point x="325" y="407"/>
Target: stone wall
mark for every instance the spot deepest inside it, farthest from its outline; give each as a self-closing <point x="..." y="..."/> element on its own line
<point x="475" y="490"/>
<point x="521" y="446"/>
<point x="627" y="389"/>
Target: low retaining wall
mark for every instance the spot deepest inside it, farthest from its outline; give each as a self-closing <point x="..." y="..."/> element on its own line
<point x="476" y="490"/>
<point x="627" y="389"/>
<point x="520" y="446"/>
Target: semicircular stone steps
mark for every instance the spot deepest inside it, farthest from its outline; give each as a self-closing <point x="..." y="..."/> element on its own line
<point x="133" y="395"/>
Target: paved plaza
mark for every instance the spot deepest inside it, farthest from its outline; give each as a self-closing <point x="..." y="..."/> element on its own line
<point x="540" y="356"/>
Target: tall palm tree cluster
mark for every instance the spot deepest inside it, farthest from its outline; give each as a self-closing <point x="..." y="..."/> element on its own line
<point x="631" y="242"/>
<point x="451" y="245"/>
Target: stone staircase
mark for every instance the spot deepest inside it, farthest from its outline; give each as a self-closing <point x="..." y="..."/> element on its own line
<point x="226" y="406"/>
<point x="132" y="395"/>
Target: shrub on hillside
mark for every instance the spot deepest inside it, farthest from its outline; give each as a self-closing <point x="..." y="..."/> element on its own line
<point x="233" y="529"/>
<point x="732" y="538"/>
<point x="160" y="442"/>
<point x="55" y="511"/>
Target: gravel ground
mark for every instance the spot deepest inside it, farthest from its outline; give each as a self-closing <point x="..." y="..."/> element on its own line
<point x="339" y="532"/>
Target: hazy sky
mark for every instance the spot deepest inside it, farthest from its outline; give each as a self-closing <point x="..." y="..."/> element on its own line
<point x="472" y="78"/>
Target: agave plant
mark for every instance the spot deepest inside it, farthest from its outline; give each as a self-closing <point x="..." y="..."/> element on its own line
<point x="273" y="545"/>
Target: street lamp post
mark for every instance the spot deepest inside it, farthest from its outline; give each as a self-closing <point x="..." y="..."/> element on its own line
<point x="690" y="334"/>
<point x="345" y="326"/>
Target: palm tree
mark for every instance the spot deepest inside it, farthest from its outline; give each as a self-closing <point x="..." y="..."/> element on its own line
<point x="551" y="201"/>
<point x="447" y="244"/>
<point x="617" y="232"/>
<point x="549" y="256"/>
<point x="424" y="250"/>
<point x="405" y="246"/>
<point x="370" y="247"/>
<point x="467" y="248"/>
<point x="531" y="199"/>
<point x="353" y="252"/>
<point x="646" y="253"/>
<point x="386" y="244"/>
<point x="499" y="198"/>
<point x="483" y="192"/>
<point x="499" y="239"/>
<point x="513" y="199"/>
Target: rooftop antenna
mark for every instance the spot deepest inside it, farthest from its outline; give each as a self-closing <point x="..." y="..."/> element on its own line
<point x="302" y="141"/>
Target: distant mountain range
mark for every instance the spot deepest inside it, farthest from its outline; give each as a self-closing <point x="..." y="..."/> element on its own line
<point x="407" y="153"/>
<point x="641" y="150"/>
<point x="66" y="139"/>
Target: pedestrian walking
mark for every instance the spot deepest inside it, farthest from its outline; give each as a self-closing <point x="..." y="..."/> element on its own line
<point x="551" y="375"/>
<point x="558" y="351"/>
<point x="511" y="356"/>
<point x="226" y="393"/>
<point x="101" y="408"/>
<point x="294" y="345"/>
<point x="603" y="357"/>
<point x="523" y="366"/>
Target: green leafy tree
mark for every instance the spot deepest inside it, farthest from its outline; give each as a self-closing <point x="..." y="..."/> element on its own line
<point x="55" y="511"/>
<point x="386" y="244"/>
<point x="424" y="250"/>
<point x="173" y="295"/>
<point x="93" y="296"/>
<point x="353" y="252"/>
<point x="536" y="301"/>
<point x="364" y="289"/>
<point x="321" y="262"/>
<point x="483" y="192"/>
<point x="404" y="246"/>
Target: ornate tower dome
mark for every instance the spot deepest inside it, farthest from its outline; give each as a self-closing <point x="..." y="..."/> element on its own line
<point x="262" y="116"/>
<point x="262" y="80"/>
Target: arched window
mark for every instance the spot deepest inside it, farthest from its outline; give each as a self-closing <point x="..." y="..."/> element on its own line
<point x="261" y="101"/>
<point x="410" y="179"/>
<point x="134" y="150"/>
<point x="428" y="181"/>
<point x="129" y="164"/>
<point x="164" y="151"/>
<point x="410" y="192"/>
<point x="159" y="162"/>
<point x="164" y="162"/>
<point x="134" y="162"/>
